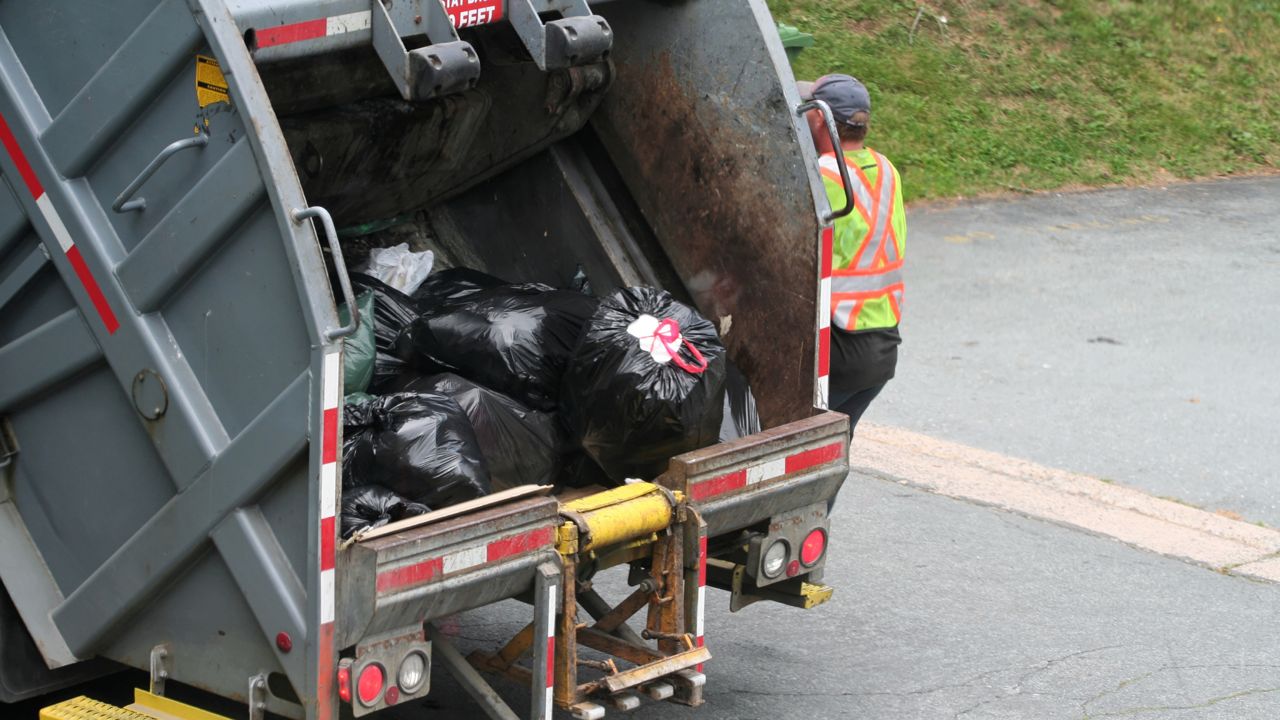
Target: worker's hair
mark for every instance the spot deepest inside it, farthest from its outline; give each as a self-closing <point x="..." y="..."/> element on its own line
<point x="855" y="132"/>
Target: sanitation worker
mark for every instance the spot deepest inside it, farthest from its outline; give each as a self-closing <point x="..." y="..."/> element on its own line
<point x="867" y="248"/>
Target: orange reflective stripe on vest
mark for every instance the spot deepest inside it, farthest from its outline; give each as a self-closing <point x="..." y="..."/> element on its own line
<point x="875" y="271"/>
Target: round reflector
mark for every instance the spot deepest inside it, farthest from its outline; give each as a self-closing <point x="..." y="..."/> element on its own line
<point x="369" y="686"/>
<point x="815" y="543"/>
<point x="413" y="670"/>
<point x="775" y="558"/>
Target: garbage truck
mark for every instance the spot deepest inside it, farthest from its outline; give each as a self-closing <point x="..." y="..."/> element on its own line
<point x="171" y="269"/>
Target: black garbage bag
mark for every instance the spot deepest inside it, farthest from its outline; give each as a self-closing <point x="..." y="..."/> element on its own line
<point x="646" y="382"/>
<point x="515" y="339"/>
<point x="578" y="470"/>
<point x="419" y="445"/>
<point x="520" y="446"/>
<point x="393" y="311"/>
<point x="740" y="416"/>
<point x="451" y="285"/>
<point x="372" y="506"/>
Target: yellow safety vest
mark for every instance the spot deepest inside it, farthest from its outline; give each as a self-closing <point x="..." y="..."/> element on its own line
<point x="868" y="245"/>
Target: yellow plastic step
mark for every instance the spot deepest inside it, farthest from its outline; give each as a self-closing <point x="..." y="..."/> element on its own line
<point x="145" y="707"/>
<point x="83" y="708"/>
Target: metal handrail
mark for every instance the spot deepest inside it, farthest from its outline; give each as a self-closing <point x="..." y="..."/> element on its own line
<point x="123" y="203"/>
<point x="835" y="144"/>
<point x="344" y="280"/>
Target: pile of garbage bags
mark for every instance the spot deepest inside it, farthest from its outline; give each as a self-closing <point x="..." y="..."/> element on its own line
<point x="460" y="384"/>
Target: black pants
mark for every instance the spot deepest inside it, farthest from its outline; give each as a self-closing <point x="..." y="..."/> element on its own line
<point x="856" y="404"/>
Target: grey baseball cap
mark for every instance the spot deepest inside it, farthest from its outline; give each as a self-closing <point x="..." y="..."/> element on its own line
<point x="846" y="96"/>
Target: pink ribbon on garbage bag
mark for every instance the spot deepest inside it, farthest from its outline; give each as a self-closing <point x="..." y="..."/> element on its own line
<point x="669" y="333"/>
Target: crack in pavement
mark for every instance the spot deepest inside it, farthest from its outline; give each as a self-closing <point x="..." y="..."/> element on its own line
<point x="1129" y="712"/>
<point x="1085" y="713"/>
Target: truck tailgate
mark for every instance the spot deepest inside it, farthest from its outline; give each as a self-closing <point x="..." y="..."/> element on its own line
<point x="740" y="483"/>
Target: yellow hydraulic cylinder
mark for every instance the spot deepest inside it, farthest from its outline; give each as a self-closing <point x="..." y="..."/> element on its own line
<point x="622" y="514"/>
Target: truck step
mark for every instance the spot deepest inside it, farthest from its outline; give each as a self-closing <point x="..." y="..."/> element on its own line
<point x="146" y="706"/>
<point x="83" y="708"/>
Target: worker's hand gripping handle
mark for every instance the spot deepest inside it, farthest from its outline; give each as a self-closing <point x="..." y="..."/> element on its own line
<point x="331" y="234"/>
<point x="830" y="121"/>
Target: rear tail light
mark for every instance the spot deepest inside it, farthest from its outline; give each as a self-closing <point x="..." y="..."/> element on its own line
<point x="814" y="545"/>
<point x="413" y="671"/>
<point x="344" y="681"/>
<point x="369" y="685"/>
<point x="775" y="559"/>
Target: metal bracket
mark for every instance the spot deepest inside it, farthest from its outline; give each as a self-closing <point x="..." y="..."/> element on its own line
<point x="258" y="697"/>
<point x="578" y="38"/>
<point x="446" y="66"/>
<point x="160" y="661"/>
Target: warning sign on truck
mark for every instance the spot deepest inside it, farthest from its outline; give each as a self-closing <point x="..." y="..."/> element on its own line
<point x="211" y="85"/>
<point x="465" y="13"/>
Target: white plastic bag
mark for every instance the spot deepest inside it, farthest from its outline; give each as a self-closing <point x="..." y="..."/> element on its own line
<point x="400" y="268"/>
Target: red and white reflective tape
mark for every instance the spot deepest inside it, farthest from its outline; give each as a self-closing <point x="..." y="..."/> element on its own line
<point x="331" y="386"/>
<point x="822" y="385"/>
<point x="551" y="651"/>
<point x="418" y="573"/>
<point x="766" y="471"/>
<point x="311" y="29"/>
<point x="699" y="622"/>
<point x="50" y="215"/>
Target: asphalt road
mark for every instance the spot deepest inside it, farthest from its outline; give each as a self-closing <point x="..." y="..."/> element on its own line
<point x="1127" y="334"/>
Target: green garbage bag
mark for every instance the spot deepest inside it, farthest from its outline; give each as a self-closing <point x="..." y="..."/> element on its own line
<point x="358" y="349"/>
<point x="356" y="398"/>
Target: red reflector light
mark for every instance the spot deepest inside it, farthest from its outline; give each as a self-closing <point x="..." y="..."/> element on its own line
<point x="793" y="568"/>
<point x="370" y="683"/>
<point x="393" y="695"/>
<point x="813" y="546"/>
<point x="344" y="684"/>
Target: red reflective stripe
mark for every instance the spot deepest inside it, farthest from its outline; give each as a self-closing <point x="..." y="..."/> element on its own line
<point x="328" y="537"/>
<point x="828" y="241"/>
<point x="20" y="159"/>
<point x="702" y="561"/>
<point x="329" y="437"/>
<point x="719" y="485"/>
<point x="824" y="350"/>
<point x="284" y="34"/>
<point x="814" y="457"/>
<point x="517" y="544"/>
<point x="551" y="660"/>
<point x="326" y="676"/>
<point x="408" y="575"/>
<point x="95" y="292"/>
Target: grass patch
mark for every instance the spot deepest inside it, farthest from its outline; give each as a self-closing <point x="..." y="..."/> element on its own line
<point x="1041" y="94"/>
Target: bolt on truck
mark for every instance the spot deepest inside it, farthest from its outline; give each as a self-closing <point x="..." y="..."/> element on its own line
<point x="171" y="348"/>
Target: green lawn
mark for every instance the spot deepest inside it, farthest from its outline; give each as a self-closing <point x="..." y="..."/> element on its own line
<point x="1032" y="95"/>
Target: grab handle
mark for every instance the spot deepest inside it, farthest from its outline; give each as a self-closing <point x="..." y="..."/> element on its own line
<point x="123" y="203"/>
<point x="344" y="280"/>
<point x="846" y="183"/>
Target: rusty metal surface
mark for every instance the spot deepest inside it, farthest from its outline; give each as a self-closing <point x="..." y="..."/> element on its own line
<point x="701" y="128"/>
<point x="654" y="670"/>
